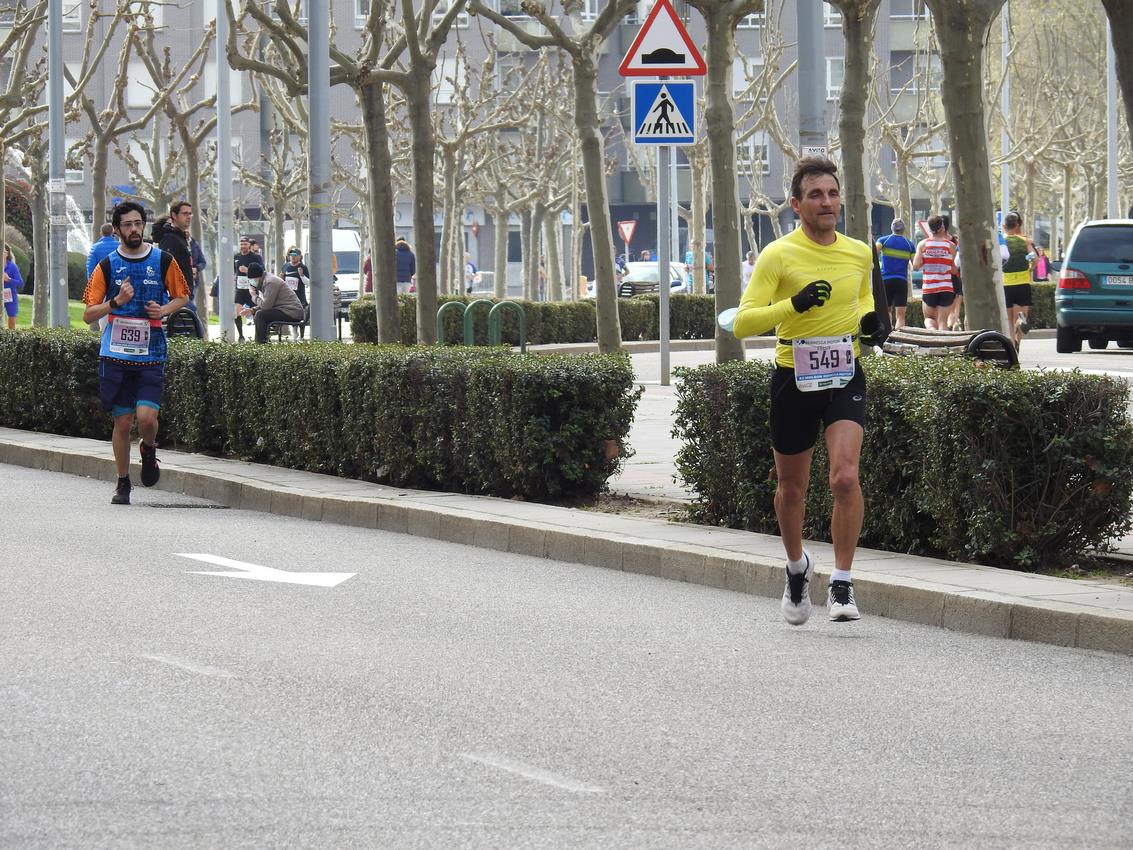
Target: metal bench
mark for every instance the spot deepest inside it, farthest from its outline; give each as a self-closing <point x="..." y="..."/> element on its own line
<point x="985" y="345"/>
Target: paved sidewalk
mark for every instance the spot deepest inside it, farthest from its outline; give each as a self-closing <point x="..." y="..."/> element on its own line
<point x="970" y="598"/>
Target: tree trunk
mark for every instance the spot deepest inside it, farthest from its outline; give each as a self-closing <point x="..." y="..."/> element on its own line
<point x="448" y="221"/>
<point x="98" y="170"/>
<point x="597" y="204"/>
<point x="382" y="234"/>
<point x="417" y="102"/>
<point x="500" y="216"/>
<point x="552" y="228"/>
<point x="962" y="31"/>
<point x="3" y="196"/>
<point x="721" y="132"/>
<point x="858" y="18"/>
<point x="904" y="192"/>
<point x="527" y="251"/>
<point x="1067" y="207"/>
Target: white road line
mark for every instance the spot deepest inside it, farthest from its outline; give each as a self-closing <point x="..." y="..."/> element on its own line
<point x="189" y="667"/>
<point x="537" y="774"/>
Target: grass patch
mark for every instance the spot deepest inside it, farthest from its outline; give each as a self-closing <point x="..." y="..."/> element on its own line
<point x="74" y="310"/>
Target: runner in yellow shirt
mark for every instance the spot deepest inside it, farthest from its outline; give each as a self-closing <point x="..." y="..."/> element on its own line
<point x="814" y="286"/>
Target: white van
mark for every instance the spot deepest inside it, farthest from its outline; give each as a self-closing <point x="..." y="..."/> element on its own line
<point x="347" y="250"/>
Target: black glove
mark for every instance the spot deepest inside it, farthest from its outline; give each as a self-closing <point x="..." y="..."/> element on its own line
<point x="814" y="294"/>
<point x="872" y="332"/>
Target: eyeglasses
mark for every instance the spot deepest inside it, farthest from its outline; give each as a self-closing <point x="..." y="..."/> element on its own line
<point x="133" y="224"/>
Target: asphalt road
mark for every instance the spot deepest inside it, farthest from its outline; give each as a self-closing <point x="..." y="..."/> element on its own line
<point x="446" y="696"/>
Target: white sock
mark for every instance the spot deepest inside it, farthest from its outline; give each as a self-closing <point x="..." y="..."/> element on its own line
<point x="840" y="575"/>
<point x="800" y="565"/>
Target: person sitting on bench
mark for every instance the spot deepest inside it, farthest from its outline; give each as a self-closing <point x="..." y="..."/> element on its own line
<point x="274" y="301"/>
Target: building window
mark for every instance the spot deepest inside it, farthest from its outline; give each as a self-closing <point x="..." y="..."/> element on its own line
<point x="139" y="87"/>
<point x="448" y="77"/>
<point x="361" y="13"/>
<point x="753" y="155"/>
<point x="752" y="22"/>
<point x="72" y="15"/>
<point x="835" y="72"/>
<point x="831" y="17"/>
<point x="589" y="10"/>
<point x="442" y="7"/>
<point x="298" y="9"/>
<point x="908" y="10"/>
<point x="512" y="9"/>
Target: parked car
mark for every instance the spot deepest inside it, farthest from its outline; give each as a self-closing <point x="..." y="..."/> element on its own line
<point x="641" y="279"/>
<point x="1094" y="299"/>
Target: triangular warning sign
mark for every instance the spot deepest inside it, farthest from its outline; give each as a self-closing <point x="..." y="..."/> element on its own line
<point x="662" y="47"/>
<point x="664" y="118"/>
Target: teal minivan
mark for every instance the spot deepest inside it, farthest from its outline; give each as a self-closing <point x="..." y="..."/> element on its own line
<point x="1094" y="299"/>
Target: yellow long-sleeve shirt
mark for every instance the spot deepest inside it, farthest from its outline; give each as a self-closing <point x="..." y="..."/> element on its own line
<point x="784" y="268"/>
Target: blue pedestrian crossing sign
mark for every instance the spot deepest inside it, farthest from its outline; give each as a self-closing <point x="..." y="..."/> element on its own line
<point x="664" y="112"/>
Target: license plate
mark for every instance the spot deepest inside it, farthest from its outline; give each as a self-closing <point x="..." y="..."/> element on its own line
<point x="1119" y="280"/>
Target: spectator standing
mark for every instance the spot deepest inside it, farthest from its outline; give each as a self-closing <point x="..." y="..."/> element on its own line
<point x="101" y="247"/>
<point x="896" y="251"/>
<point x="243" y="292"/>
<point x="471" y="273"/>
<point x="274" y="301"/>
<point x="367" y="274"/>
<point x="1041" y="265"/>
<point x="746" y="268"/>
<point x="134" y="288"/>
<point x="13" y="285"/>
<point x="171" y="235"/>
<point x="406" y="267"/>
<point x="937" y="257"/>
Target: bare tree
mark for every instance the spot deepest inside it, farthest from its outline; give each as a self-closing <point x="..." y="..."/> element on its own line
<point x="962" y="28"/>
<point x="720" y="20"/>
<point x="582" y="45"/>
<point x="1120" y="14"/>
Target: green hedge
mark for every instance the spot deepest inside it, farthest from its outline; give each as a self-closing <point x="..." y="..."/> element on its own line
<point x="549" y="322"/>
<point x="76" y="276"/>
<point x="1012" y="468"/>
<point x="1040" y="316"/>
<point x="453" y="419"/>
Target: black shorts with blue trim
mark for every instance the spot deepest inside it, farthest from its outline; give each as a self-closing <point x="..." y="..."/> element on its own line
<point x="125" y="386"/>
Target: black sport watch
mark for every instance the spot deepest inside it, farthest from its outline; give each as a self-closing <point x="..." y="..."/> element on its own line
<point x="113" y="304"/>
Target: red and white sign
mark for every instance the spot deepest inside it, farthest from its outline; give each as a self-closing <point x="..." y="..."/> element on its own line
<point x="662" y="47"/>
<point x="626" y="229"/>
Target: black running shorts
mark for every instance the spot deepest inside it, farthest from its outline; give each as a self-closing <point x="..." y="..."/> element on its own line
<point x="1018" y="295"/>
<point x="795" y="415"/>
<point x="938" y="299"/>
<point x="896" y="291"/>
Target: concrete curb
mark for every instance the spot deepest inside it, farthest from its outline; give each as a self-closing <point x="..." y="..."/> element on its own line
<point x="966" y="598"/>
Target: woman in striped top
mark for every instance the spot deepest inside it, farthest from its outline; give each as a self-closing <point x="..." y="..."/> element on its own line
<point x="936" y="257"/>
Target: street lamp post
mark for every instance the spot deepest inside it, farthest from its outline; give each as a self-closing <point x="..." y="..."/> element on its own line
<point x="318" y="170"/>
<point x="226" y="290"/>
<point x="56" y="186"/>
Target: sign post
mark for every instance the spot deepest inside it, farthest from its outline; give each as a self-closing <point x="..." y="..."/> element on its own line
<point x="664" y="114"/>
<point x="626" y="230"/>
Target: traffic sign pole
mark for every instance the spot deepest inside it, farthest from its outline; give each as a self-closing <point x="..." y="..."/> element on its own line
<point x="663" y="250"/>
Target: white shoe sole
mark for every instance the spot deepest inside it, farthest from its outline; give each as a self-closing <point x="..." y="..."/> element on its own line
<point x="844" y="614"/>
<point x="797" y="615"/>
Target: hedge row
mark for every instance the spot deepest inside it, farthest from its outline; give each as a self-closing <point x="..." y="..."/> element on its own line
<point x="452" y="419"/>
<point x="548" y="322"/>
<point x="1041" y="314"/>
<point x="1013" y="468"/>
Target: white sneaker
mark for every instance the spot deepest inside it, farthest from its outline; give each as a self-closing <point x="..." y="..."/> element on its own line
<point x="840" y="600"/>
<point x="796" y="594"/>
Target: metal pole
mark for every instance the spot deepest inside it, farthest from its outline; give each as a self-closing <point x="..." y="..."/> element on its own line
<point x="1005" y="139"/>
<point x="266" y="202"/>
<point x="1111" y="124"/>
<point x="812" y="79"/>
<point x="226" y="291"/>
<point x="318" y="170"/>
<point x="56" y="185"/>
<point x="663" y="252"/>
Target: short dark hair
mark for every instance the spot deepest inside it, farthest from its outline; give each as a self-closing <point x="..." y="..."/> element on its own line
<point x="123" y="208"/>
<point x="1013" y="220"/>
<point x="810" y="166"/>
<point x="177" y="207"/>
<point x="935" y="223"/>
<point x="107" y="229"/>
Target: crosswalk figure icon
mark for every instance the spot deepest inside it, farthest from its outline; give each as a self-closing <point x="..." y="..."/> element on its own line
<point x="663" y="112"/>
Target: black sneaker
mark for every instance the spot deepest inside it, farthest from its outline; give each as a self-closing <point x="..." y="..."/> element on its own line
<point x="840" y="600"/>
<point x="122" y="492"/>
<point x="150" y="471"/>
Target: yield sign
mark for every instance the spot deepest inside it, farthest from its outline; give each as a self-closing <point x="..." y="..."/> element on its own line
<point x="662" y="47"/>
<point x="626" y="229"/>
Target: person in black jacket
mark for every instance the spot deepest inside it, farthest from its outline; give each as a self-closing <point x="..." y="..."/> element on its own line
<point x="171" y="237"/>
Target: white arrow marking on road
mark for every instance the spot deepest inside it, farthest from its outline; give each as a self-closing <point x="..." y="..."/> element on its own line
<point x="255" y="572"/>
